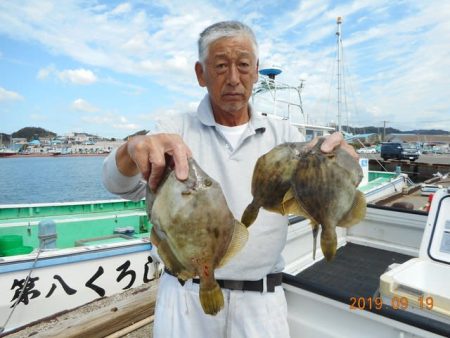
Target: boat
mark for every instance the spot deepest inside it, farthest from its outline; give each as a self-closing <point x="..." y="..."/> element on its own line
<point x="5" y="152"/>
<point x="56" y="257"/>
<point x="97" y="240"/>
<point x="267" y="102"/>
<point x="55" y="151"/>
<point x="389" y="277"/>
<point x="320" y="295"/>
<point x="417" y="197"/>
<point x="68" y="252"/>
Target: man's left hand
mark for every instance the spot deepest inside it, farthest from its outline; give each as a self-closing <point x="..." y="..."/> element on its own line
<point x="334" y="140"/>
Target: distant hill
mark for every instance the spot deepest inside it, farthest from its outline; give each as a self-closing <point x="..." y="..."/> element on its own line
<point x="427" y="132"/>
<point x="376" y="130"/>
<point x="31" y="133"/>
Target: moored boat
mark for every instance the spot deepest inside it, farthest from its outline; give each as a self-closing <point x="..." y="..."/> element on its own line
<point x="389" y="277"/>
<point x="4" y="152"/>
<point x="55" y="257"/>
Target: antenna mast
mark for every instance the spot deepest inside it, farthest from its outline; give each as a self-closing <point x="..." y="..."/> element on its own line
<point x="339" y="65"/>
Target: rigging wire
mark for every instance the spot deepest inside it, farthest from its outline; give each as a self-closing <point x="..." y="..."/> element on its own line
<point x="333" y="65"/>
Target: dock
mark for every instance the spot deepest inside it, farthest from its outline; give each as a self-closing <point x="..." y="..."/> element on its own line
<point x="418" y="171"/>
<point x="129" y="313"/>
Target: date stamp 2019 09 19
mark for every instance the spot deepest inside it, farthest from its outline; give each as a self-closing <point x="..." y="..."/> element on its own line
<point x="376" y="303"/>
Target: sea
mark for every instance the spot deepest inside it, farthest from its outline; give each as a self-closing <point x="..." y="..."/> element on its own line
<point x="52" y="179"/>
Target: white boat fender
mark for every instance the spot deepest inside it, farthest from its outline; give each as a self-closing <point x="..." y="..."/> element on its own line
<point x="47" y="234"/>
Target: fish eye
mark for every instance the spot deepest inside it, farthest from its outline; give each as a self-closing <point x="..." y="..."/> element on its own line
<point x="208" y="182"/>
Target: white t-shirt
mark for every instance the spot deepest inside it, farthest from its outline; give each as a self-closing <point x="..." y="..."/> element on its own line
<point x="232" y="134"/>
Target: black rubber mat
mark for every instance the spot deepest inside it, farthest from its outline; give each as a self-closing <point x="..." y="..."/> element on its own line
<point x="355" y="272"/>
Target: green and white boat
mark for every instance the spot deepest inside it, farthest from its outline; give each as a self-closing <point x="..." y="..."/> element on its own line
<point x="55" y="257"/>
<point x="68" y="254"/>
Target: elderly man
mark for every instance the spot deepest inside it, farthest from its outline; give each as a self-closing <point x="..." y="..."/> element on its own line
<point x="226" y="138"/>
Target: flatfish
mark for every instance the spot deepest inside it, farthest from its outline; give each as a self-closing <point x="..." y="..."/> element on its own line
<point x="319" y="186"/>
<point x="194" y="230"/>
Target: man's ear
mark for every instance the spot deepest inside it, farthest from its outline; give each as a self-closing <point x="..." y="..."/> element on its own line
<point x="199" y="71"/>
<point x="257" y="71"/>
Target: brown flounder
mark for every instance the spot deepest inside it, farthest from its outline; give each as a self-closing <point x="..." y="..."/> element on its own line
<point x="325" y="188"/>
<point x="321" y="187"/>
<point x="194" y="230"/>
<point x="272" y="179"/>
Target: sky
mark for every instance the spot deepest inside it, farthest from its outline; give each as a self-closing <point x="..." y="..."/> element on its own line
<point x="111" y="68"/>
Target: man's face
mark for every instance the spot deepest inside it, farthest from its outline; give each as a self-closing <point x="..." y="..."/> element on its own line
<point x="229" y="73"/>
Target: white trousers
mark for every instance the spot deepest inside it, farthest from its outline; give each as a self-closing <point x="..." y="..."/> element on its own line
<point x="248" y="314"/>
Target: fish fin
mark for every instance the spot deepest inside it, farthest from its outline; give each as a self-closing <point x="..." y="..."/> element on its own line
<point x="291" y="205"/>
<point x="250" y="214"/>
<point x="170" y="260"/>
<point x="356" y="213"/>
<point x="154" y="238"/>
<point x="315" y="231"/>
<point x="238" y="240"/>
<point x="211" y="297"/>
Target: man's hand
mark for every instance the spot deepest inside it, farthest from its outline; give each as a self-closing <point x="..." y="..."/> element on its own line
<point x="147" y="155"/>
<point x="334" y="140"/>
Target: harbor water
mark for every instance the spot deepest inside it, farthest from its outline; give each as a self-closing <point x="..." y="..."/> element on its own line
<point x="51" y="179"/>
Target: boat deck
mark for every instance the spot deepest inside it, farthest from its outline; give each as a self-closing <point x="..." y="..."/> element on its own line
<point x="415" y="199"/>
<point x="77" y="224"/>
<point x="355" y="272"/>
<point x="376" y="182"/>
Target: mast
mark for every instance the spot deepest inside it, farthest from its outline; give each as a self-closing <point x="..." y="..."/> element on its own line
<point x="339" y="73"/>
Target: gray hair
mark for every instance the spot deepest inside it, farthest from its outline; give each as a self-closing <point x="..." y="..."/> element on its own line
<point x="221" y="30"/>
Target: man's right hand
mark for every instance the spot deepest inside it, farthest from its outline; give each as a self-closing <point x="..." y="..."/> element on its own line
<point x="147" y="155"/>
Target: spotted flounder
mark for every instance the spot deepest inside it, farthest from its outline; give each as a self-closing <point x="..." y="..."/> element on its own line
<point x="194" y="230"/>
<point x="295" y="179"/>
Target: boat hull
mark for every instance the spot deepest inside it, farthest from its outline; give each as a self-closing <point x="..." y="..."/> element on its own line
<point x="65" y="279"/>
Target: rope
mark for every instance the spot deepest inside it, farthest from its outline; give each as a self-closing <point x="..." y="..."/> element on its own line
<point x="381" y="165"/>
<point x="2" y="328"/>
<point x="408" y="180"/>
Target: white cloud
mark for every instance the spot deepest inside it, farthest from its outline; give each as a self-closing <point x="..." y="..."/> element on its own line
<point x="112" y="120"/>
<point x="7" y="95"/>
<point x="396" y="52"/>
<point x="78" y="76"/>
<point x="121" y="9"/>
<point x="179" y="107"/>
<point x="138" y="43"/>
<point x="126" y="126"/>
<point x="84" y="106"/>
<point x="44" y="73"/>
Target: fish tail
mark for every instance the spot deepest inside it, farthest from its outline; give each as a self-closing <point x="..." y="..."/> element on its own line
<point x="250" y="214"/>
<point x="211" y="298"/>
<point x="328" y="242"/>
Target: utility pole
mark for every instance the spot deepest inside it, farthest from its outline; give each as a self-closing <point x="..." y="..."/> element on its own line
<point x="384" y="130"/>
